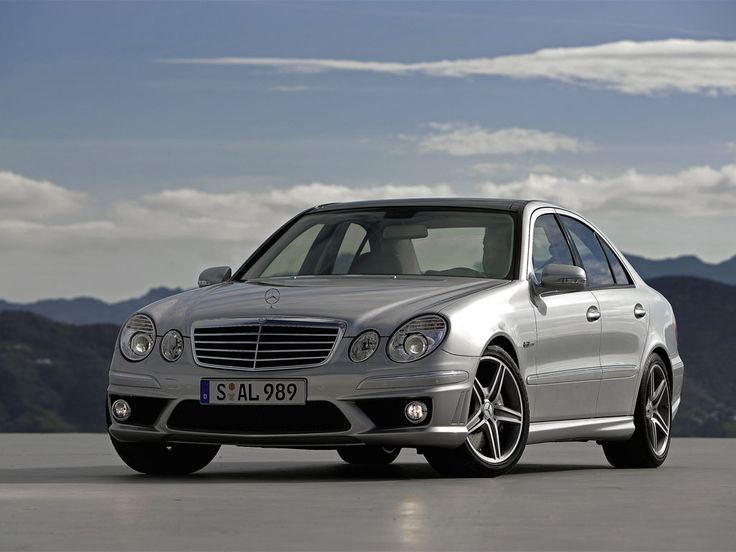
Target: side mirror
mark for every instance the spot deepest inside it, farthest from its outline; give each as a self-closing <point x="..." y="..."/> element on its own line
<point x="563" y="277"/>
<point x="214" y="275"/>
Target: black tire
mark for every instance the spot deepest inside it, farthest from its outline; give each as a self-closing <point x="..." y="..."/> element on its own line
<point x="468" y="460"/>
<point x="649" y="445"/>
<point x="162" y="459"/>
<point x="369" y="455"/>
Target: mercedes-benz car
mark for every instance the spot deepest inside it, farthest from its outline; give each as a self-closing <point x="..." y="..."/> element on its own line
<point x="463" y="328"/>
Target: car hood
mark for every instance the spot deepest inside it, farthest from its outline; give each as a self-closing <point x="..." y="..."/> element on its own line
<point x="379" y="303"/>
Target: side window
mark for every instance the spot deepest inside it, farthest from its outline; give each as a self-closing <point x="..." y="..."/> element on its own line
<point x="548" y="245"/>
<point x="290" y="260"/>
<point x="591" y="253"/>
<point x="619" y="272"/>
<point x="353" y="244"/>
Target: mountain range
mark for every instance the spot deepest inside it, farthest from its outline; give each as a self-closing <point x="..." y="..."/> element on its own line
<point x="88" y="310"/>
<point x="685" y="265"/>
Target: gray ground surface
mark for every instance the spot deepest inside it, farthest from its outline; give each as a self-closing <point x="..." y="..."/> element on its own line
<point x="70" y="492"/>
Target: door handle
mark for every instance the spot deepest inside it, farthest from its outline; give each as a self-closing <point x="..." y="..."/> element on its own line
<point x="593" y="314"/>
<point x="639" y="311"/>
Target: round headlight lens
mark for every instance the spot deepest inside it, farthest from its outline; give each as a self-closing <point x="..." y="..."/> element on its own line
<point x="141" y="344"/>
<point x="417" y="338"/>
<point x="137" y="337"/>
<point x="364" y="345"/>
<point x="415" y="344"/>
<point x="172" y="345"/>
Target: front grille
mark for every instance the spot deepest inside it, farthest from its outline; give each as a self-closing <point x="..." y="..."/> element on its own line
<point x="312" y="417"/>
<point x="262" y="345"/>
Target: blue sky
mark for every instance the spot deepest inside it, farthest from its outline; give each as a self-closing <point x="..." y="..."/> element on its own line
<point x="112" y="114"/>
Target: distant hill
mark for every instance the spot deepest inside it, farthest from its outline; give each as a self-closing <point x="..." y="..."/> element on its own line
<point x="706" y="325"/>
<point x="686" y="265"/>
<point x="53" y="376"/>
<point x="87" y="310"/>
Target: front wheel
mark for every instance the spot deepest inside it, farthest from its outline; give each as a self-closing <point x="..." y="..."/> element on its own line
<point x="498" y="423"/>
<point x="369" y="455"/>
<point x="162" y="459"/>
<point x="650" y="443"/>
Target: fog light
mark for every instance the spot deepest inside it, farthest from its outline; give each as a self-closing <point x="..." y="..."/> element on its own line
<point x="121" y="410"/>
<point x="415" y="411"/>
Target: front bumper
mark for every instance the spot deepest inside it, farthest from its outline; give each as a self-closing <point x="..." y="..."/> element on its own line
<point x="443" y="379"/>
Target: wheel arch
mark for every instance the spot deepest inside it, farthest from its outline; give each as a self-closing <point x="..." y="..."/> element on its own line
<point x="662" y="352"/>
<point x="504" y="342"/>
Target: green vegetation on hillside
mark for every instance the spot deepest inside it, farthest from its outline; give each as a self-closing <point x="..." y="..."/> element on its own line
<point x="53" y="376"/>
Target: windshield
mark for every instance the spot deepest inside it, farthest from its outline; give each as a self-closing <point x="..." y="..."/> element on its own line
<point x="427" y="242"/>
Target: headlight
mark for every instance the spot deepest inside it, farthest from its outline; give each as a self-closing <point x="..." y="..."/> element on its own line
<point x="172" y="345"/>
<point x="417" y="338"/>
<point x="137" y="337"/>
<point x="363" y="346"/>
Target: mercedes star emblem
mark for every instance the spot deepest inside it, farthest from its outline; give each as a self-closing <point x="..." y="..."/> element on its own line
<point x="272" y="296"/>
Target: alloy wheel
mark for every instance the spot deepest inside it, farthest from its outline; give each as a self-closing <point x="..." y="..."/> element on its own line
<point x="496" y="412"/>
<point x="657" y="410"/>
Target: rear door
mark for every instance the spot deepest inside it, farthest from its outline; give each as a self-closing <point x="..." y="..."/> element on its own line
<point x="624" y="318"/>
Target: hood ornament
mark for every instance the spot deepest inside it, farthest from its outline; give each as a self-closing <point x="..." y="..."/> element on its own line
<point x="272" y="296"/>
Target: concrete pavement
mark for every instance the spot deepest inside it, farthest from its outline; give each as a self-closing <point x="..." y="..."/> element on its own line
<point x="70" y="492"/>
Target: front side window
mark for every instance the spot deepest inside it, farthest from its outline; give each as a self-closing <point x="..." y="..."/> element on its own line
<point x="594" y="259"/>
<point x="393" y="241"/>
<point x="549" y="245"/>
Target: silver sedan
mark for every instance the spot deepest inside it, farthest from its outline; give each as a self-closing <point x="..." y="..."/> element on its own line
<point x="463" y="328"/>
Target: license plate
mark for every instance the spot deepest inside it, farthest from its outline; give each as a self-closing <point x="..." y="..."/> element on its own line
<point x="253" y="391"/>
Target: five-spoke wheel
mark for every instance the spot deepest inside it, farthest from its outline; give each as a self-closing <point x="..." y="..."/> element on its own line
<point x="650" y="443"/>
<point x="498" y="422"/>
<point x="657" y="410"/>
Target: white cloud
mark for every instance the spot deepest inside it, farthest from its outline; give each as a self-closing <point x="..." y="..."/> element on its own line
<point x="166" y="238"/>
<point x="696" y="191"/>
<point x="463" y="139"/>
<point x="491" y="170"/>
<point x="35" y="199"/>
<point x="645" y="67"/>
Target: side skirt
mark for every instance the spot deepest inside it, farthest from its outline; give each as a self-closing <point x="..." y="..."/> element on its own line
<point x="618" y="428"/>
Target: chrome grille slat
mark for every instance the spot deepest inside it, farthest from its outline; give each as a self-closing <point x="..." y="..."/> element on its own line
<point x="265" y="344"/>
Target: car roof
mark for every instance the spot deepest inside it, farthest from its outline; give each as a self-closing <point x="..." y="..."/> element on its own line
<point x="515" y="205"/>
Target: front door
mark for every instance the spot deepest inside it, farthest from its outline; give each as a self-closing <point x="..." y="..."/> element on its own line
<point x="567" y="350"/>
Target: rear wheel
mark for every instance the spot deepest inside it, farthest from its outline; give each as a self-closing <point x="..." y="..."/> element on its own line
<point x="370" y="455"/>
<point x="498" y="422"/>
<point x="650" y="443"/>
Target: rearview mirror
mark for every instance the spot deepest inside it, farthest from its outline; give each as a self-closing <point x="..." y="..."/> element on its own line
<point x="214" y="275"/>
<point x="405" y="232"/>
<point x="563" y="277"/>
